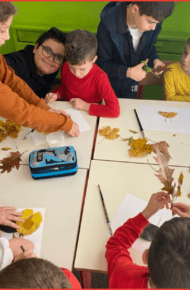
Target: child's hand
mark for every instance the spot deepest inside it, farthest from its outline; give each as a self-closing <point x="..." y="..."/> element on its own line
<point x="157" y="201"/>
<point x="182" y="209"/>
<point x="79" y="104"/>
<point x="9" y="214"/>
<point x="59" y="112"/>
<point x="50" y="98"/>
<point x="14" y="245"/>
<point x="137" y="73"/>
<point x="74" y="132"/>
<point x="24" y="255"/>
<point x="158" y="63"/>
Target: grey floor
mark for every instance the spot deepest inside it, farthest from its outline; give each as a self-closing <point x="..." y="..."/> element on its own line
<point x="99" y="280"/>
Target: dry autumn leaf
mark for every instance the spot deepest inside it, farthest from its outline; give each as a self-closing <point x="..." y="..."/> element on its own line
<point x="139" y="148"/>
<point x="134" y="132"/>
<point x="168" y="114"/>
<point x="162" y="146"/>
<point x="10" y="162"/>
<point x="109" y="133"/>
<point x="31" y="222"/>
<point x="5" y="148"/>
<point x="161" y="69"/>
<point x="9" y="128"/>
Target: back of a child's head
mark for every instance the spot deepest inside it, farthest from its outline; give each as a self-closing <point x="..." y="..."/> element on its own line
<point x="80" y="46"/>
<point x="33" y="273"/>
<point x="6" y="10"/>
<point x="157" y="10"/>
<point x="53" y="33"/>
<point x="169" y="255"/>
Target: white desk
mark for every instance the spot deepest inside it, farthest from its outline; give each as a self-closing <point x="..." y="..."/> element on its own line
<point x="61" y="197"/>
<point x="82" y="144"/>
<point x="117" y="150"/>
<point x="116" y="180"/>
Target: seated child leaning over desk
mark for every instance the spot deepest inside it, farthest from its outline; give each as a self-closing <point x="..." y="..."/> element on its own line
<point x="177" y="80"/>
<point x="83" y="83"/>
<point x="37" y="273"/>
<point x="167" y="258"/>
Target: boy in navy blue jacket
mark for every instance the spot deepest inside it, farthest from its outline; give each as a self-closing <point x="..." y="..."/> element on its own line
<point x="126" y="35"/>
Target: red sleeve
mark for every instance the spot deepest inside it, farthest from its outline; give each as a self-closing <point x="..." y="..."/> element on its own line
<point x="72" y="279"/>
<point x="117" y="246"/>
<point x="60" y="90"/>
<point x="111" y="108"/>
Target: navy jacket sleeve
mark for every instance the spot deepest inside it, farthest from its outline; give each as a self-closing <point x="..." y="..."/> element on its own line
<point x="105" y="52"/>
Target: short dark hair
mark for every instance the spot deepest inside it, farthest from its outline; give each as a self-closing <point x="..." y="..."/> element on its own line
<point x="169" y="255"/>
<point x="6" y="10"/>
<point x="53" y="33"/>
<point x="80" y="45"/>
<point x="157" y="10"/>
<point x="33" y="273"/>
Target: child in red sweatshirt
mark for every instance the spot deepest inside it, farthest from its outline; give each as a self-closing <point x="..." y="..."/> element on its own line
<point x="83" y="83"/>
<point x="167" y="258"/>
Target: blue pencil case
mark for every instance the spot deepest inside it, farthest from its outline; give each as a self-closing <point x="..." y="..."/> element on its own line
<point x="53" y="162"/>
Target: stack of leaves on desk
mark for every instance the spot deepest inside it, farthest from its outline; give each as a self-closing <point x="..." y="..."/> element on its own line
<point x="139" y="147"/>
<point x="9" y="128"/>
<point x="165" y="173"/>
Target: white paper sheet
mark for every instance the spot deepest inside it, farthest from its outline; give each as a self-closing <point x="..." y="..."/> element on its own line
<point x="36" y="237"/>
<point x="152" y="120"/>
<point x="130" y="207"/>
<point x="78" y="118"/>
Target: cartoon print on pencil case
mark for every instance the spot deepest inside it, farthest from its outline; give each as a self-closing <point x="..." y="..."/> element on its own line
<point x="168" y="115"/>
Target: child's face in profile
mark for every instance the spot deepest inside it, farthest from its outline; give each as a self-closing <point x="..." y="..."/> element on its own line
<point x="143" y="22"/>
<point x="4" y="30"/>
<point x="185" y="60"/>
<point x="45" y="62"/>
<point x="81" y="70"/>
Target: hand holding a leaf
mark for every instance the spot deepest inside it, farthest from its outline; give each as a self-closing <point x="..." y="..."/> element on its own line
<point x="8" y="215"/>
<point x="182" y="209"/>
<point x="157" y="201"/>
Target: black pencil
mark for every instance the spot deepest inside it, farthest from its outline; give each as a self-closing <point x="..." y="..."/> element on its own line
<point x="22" y="248"/>
<point x="141" y="128"/>
<point x="105" y="211"/>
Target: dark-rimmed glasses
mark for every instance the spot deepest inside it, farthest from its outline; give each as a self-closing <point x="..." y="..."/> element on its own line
<point x="47" y="52"/>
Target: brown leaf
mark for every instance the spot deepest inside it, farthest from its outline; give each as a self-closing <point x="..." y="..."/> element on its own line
<point x="5" y="148"/>
<point x="161" y="69"/>
<point x="11" y="162"/>
<point x="188" y="195"/>
<point x="134" y="132"/>
<point x="174" y="135"/>
<point x="162" y="146"/>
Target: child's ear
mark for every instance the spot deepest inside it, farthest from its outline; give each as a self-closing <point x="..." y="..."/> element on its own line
<point x="145" y="257"/>
<point x="35" y="47"/>
<point x="95" y="58"/>
<point x="134" y="8"/>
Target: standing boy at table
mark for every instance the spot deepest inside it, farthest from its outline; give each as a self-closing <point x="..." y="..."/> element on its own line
<point x="83" y="83"/>
<point x="126" y="36"/>
<point x="18" y="102"/>
<point x="39" y="65"/>
<point x="167" y="258"/>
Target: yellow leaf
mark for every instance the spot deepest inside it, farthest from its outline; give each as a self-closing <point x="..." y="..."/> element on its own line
<point x="5" y="148"/>
<point x="139" y="148"/>
<point x="134" y="132"/>
<point x="109" y="133"/>
<point x="168" y="114"/>
<point x="31" y="222"/>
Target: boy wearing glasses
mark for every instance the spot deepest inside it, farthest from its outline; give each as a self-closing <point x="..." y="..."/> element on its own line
<point x="83" y="83"/>
<point x="38" y="65"/>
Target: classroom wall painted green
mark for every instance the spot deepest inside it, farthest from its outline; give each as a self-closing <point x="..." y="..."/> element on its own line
<point x="33" y="18"/>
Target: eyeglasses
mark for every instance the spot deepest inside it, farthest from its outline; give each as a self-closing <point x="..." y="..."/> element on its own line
<point x="47" y="52"/>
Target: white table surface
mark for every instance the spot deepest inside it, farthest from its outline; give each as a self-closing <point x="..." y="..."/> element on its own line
<point x="116" y="179"/>
<point x="82" y="144"/>
<point x="117" y="150"/>
<point x="61" y="197"/>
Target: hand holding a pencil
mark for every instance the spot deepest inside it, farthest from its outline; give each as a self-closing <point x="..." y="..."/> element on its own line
<point x="15" y="246"/>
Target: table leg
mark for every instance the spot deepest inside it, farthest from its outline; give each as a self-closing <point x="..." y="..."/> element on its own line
<point x="86" y="279"/>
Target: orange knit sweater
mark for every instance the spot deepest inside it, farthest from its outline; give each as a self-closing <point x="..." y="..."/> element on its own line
<point x="18" y="103"/>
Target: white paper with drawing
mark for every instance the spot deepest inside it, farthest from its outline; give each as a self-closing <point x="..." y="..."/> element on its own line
<point x="35" y="237"/>
<point x="152" y="120"/>
<point x="78" y="118"/>
<point x="130" y="207"/>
